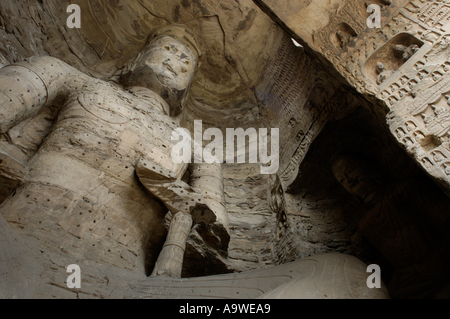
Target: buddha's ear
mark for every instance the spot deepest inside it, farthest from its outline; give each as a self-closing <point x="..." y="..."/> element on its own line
<point x="199" y="63"/>
<point x="125" y="76"/>
<point x="175" y="111"/>
<point x="185" y="95"/>
<point x="358" y="199"/>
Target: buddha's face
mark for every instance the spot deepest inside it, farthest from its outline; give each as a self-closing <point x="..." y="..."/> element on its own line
<point x="355" y="178"/>
<point x="167" y="67"/>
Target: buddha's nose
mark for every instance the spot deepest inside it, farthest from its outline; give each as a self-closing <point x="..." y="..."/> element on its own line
<point x="169" y="66"/>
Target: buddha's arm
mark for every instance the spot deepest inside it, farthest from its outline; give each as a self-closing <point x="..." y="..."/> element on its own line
<point x="27" y="86"/>
<point x="207" y="180"/>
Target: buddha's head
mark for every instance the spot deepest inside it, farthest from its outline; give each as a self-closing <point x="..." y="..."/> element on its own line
<point x="355" y="177"/>
<point x="166" y="65"/>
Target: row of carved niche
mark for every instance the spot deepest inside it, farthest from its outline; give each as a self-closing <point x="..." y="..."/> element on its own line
<point x="354" y="76"/>
<point x="440" y="114"/>
<point x="439" y="155"/>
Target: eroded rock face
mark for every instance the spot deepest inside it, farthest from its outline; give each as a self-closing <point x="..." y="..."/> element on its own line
<point x="85" y="151"/>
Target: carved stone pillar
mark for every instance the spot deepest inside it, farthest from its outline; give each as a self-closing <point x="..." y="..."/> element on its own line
<point x="208" y="179"/>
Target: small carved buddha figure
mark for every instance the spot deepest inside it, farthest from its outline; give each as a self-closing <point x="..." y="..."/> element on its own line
<point x="82" y="179"/>
<point x="344" y="38"/>
<point x="398" y="228"/>
<point x="354" y="179"/>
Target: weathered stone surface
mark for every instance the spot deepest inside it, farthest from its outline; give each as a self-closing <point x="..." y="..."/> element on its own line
<point x="403" y="65"/>
<point x="84" y="119"/>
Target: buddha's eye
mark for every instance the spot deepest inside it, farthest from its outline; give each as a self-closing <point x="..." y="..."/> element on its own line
<point x="167" y="48"/>
<point x="186" y="62"/>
